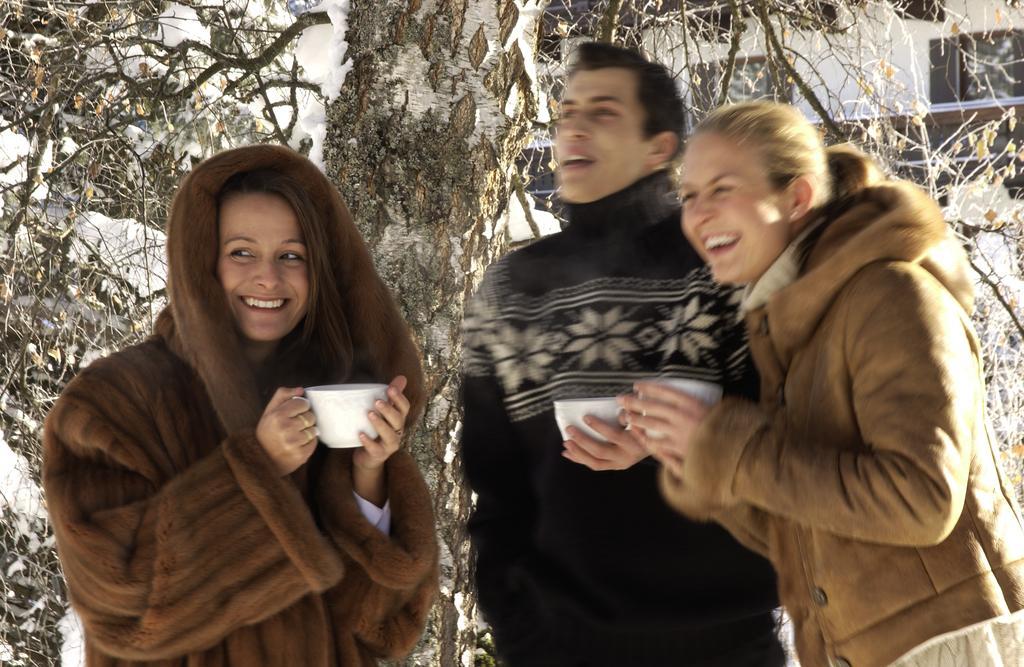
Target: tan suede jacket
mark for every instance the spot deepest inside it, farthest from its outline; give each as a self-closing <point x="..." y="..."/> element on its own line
<point x="867" y="473"/>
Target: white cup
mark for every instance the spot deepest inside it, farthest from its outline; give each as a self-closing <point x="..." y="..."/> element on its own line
<point x="342" y="411"/>
<point x="570" y="412"/>
<point x="706" y="392"/>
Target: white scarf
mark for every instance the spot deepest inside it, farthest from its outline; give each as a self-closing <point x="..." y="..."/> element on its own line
<point x="782" y="273"/>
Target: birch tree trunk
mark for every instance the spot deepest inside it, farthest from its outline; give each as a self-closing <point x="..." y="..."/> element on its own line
<point x="422" y="142"/>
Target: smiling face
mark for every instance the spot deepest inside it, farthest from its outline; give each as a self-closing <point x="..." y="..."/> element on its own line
<point x="600" y="144"/>
<point x="262" y="266"/>
<point x="732" y="214"/>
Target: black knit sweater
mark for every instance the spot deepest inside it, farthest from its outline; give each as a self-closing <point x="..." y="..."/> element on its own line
<point x="576" y="567"/>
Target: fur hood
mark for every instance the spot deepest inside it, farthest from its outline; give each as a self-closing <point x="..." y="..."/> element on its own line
<point x="198" y="324"/>
<point x="892" y="221"/>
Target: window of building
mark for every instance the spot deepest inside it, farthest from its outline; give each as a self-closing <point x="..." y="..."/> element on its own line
<point x="987" y="68"/>
<point x="977" y="67"/>
<point x="924" y="10"/>
<point x="752" y="79"/>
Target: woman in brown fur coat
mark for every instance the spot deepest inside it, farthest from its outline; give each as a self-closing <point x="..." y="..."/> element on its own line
<point x="197" y="521"/>
<point x="867" y="472"/>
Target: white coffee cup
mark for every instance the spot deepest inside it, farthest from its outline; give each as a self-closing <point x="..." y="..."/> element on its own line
<point x="342" y="411"/>
<point x="570" y="412"/>
<point x="706" y="392"/>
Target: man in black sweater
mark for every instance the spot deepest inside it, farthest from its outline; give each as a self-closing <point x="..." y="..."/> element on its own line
<point x="579" y="560"/>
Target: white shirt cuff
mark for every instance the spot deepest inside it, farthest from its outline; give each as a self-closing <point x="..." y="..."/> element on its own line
<point x="379" y="517"/>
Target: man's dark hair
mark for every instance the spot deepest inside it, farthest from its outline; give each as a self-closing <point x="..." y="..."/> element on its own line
<point x="656" y="89"/>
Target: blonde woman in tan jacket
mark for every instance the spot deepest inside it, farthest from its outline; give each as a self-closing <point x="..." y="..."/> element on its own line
<point x="867" y="472"/>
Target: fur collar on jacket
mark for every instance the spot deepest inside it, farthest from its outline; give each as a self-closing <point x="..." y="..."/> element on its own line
<point x="198" y="324"/>
<point x="892" y="221"/>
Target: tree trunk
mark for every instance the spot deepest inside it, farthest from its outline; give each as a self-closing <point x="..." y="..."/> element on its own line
<point x="422" y="142"/>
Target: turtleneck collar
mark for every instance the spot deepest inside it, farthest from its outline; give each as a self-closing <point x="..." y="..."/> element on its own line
<point x="645" y="202"/>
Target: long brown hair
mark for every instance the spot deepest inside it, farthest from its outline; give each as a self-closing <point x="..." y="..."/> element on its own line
<point x="323" y="333"/>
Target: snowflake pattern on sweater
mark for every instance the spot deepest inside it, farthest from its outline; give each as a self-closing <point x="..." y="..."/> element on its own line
<point x="599" y="337"/>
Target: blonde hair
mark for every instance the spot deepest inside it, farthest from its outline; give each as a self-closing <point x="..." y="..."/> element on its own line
<point x="791" y="147"/>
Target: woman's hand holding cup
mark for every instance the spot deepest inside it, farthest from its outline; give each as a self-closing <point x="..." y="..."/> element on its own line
<point x="672" y="414"/>
<point x="287" y="430"/>
<point x="388" y="417"/>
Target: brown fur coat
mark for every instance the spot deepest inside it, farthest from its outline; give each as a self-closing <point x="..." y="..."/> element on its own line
<point x="867" y="474"/>
<point x="180" y="543"/>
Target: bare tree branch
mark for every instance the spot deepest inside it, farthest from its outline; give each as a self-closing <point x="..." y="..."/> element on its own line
<point x="249" y="65"/>
<point x="986" y="277"/>
<point x="609" y="22"/>
<point x="781" y="59"/>
<point x="734" y="46"/>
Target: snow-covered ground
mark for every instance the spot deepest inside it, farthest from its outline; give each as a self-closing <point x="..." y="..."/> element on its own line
<point x="515" y="219"/>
